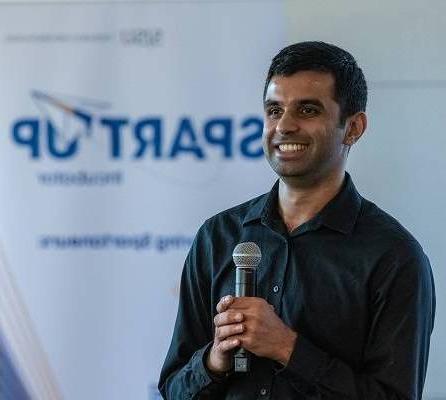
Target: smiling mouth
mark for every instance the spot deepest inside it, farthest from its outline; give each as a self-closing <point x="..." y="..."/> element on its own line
<point x="292" y="147"/>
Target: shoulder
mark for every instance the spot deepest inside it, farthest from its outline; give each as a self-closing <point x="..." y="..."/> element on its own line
<point x="379" y="228"/>
<point x="231" y="220"/>
<point x="380" y="223"/>
<point x="220" y="230"/>
<point x="218" y="235"/>
<point x="400" y="252"/>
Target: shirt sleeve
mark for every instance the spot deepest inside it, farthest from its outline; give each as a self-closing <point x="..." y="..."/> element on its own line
<point x="402" y="308"/>
<point x="184" y="375"/>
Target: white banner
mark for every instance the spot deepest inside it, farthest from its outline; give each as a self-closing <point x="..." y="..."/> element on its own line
<point x="123" y="128"/>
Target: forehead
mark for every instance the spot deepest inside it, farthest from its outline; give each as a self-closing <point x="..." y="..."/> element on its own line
<point x="302" y="84"/>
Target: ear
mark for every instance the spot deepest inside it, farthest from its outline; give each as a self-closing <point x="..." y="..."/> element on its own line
<point x="356" y="125"/>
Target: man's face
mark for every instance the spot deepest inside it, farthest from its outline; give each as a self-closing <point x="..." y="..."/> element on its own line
<point x="302" y="137"/>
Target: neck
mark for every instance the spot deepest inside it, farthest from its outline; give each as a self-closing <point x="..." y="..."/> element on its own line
<point x="300" y="201"/>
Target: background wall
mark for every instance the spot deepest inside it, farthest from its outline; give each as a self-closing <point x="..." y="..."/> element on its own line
<point x="124" y="125"/>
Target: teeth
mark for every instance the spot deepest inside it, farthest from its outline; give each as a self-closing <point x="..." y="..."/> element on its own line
<point x="292" y="147"/>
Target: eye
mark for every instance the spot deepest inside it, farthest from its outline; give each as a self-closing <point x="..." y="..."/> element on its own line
<point x="309" y="111"/>
<point x="273" y="112"/>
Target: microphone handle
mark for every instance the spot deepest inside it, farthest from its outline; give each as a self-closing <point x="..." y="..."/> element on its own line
<point x="245" y="286"/>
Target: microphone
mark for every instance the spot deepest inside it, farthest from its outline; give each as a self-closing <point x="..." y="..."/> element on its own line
<point x="246" y="256"/>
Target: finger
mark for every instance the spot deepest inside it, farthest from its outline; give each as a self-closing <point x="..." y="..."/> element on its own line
<point x="228" y="345"/>
<point x="225" y="331"/>
<point x="224" y="303"/>
<point x="247" y="302"/>
<point x="228" y="317"/>
<point x="250" y="304"/>
<point x="241" y="303"/>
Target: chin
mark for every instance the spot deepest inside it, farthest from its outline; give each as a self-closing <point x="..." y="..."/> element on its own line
<point x="290" y="172"/>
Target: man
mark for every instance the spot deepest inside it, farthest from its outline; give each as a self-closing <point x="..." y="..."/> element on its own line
<point x="346" y="302"/>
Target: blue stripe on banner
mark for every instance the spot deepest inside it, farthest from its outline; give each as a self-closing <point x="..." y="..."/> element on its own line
<point x="11" y="386"/>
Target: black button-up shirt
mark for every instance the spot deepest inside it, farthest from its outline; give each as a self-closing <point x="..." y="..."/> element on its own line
<point x="352" y="282"/>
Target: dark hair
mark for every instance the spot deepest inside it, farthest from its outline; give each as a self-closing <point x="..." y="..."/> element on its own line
<point x="350" y="84"/>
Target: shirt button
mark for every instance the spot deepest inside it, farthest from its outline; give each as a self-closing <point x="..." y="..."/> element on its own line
<point x="263" y="391"/>
<point x="275" y="289"/>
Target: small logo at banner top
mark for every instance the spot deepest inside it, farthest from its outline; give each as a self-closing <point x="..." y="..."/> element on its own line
<point x="142" y="37"/>
<point x="67" y="124"/>
<point x="139" y="37"/>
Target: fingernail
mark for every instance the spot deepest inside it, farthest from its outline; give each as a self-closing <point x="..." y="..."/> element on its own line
<point x="227" y="299"/>
<point x="238" y="317"/>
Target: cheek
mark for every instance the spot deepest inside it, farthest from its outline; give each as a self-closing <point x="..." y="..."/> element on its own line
<point x="266" y="135"/>
<point x="265" y="144"/>
<point x="330" y="135"/>
<point x="333" y="143"/>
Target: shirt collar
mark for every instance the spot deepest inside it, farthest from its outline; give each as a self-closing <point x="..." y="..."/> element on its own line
<point x="263" y="206"/>
<point x="342" y="211"/>
<point x="339" y="214"/>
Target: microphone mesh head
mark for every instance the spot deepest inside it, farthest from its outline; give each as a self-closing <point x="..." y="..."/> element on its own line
<point x="247" y="254"/>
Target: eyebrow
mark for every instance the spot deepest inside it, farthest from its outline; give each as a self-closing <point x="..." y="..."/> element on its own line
<point x="269" y="103"/>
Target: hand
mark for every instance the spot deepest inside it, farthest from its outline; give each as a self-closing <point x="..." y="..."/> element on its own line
<point x="249" y="322"/>
<point x="227" y="324"/>
<point x="264" y="333"/>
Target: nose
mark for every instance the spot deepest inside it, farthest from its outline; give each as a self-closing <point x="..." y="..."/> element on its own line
<point x="287" y="124"/>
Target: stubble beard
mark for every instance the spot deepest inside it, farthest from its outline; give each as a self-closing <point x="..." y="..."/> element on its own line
<point x="311" y="172"/>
